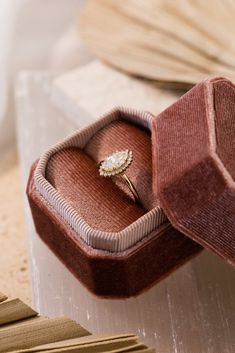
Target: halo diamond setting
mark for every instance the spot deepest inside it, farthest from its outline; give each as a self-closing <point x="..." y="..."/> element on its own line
<point x="116" y="163"/>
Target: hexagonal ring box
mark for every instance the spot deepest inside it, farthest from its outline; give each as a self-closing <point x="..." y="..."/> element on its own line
<point x="183" y="169"/>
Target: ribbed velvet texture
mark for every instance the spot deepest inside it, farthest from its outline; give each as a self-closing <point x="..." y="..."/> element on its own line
<point x="104" y="273"/>
<point x="97" y="199"/>
<point x="225" y="124"/>
<point x="105" y="203"/>
<point x="193" y="173"/>
<point x="194" y="143"/>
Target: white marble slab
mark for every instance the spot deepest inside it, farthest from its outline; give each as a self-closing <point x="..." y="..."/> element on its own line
<point x="95" y="89"/>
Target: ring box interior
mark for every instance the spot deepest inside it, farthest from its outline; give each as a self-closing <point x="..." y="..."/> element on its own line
<point x="113" y="245"/>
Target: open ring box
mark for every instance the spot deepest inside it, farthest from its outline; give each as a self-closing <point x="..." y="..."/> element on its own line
<point x="183" y="170"/>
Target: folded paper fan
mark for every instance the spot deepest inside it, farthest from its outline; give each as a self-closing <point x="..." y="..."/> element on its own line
<point x="22" y="330"/>
<point x="177" y="43"/>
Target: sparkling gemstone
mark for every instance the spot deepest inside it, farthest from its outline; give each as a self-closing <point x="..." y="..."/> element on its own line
<point x="116" y="162"/>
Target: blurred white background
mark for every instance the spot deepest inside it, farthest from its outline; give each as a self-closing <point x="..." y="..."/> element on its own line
<point x="32" y="36"/>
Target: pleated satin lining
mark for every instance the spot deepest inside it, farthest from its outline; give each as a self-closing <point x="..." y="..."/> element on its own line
<point x="102" y="215"/>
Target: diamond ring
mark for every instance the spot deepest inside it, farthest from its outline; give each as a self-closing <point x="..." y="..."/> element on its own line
<point x="115" y="165"/>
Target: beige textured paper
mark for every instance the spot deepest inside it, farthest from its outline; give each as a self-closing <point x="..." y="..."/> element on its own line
<point x="36" y="331"/>
<point x="14" y="310"/>
<point x="162" y="40"/>
<point x="2" y="297"/>
<point x="91" y="344"/>
<point x="22" y="331"/>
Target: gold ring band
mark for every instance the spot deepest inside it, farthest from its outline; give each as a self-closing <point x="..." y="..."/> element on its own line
<point x="131" y="187"/>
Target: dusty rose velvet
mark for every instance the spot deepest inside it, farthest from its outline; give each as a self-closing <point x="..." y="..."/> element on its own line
<point x="97" y="199"/>
<point x="194" y="153"/>
<point x="105" y="203"/>
<point x="193" y="179"/>
<point x="225" y="123"/>
<point x="107" y="274"/>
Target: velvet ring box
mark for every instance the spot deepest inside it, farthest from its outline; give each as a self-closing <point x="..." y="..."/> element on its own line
<point x="183" y="169"/>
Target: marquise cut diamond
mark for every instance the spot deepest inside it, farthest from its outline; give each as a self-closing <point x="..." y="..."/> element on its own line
<point x="115" y="163"/>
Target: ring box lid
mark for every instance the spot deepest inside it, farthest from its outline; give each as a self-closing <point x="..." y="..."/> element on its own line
<point x="194" y="166"/>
